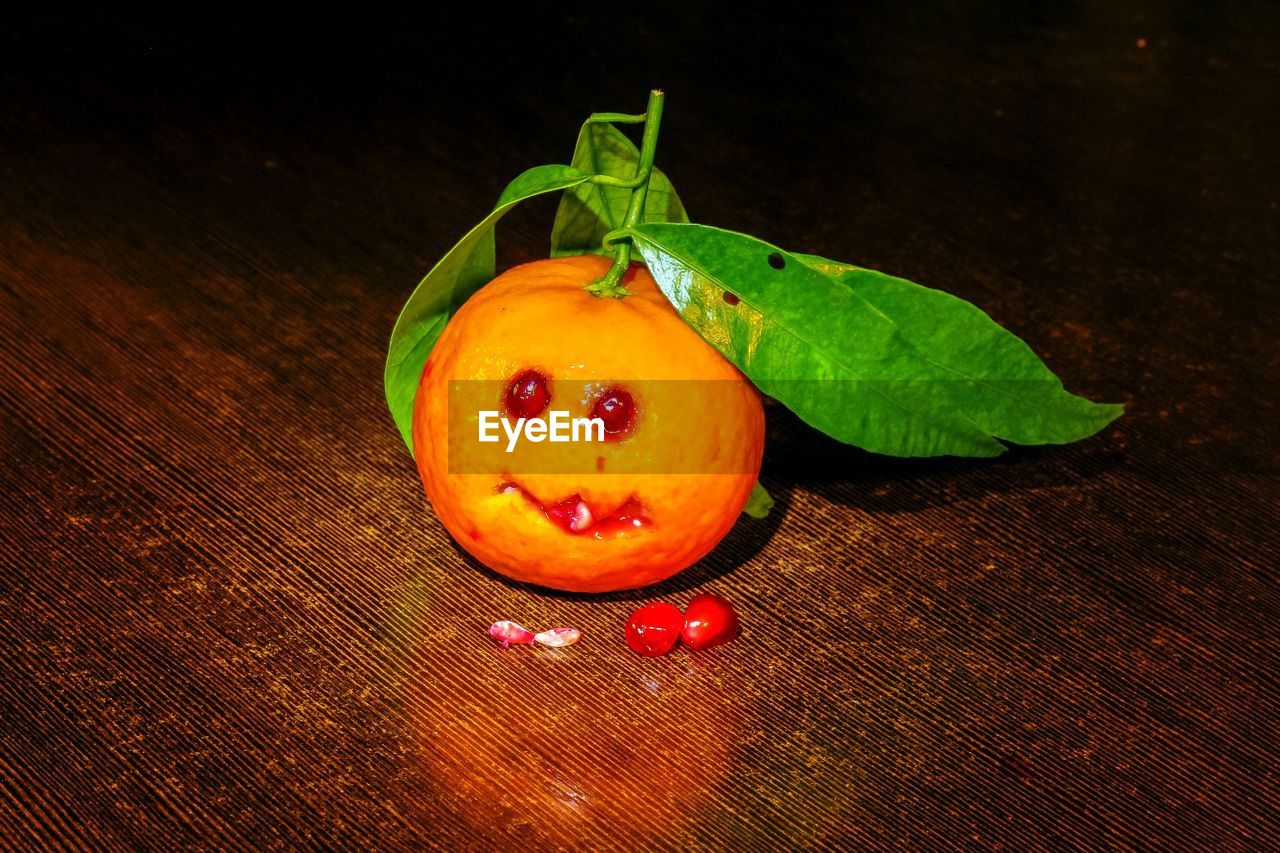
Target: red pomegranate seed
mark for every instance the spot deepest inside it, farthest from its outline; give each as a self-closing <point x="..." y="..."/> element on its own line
<point x="653" y="629"/>
<point x="617" y="409"/>
<point x="709" y="620"/>
<point x="527" y="395"/>
<point x="506" y="633"/>
<point x="572" y="514"/>
<point x="627" y="518"/>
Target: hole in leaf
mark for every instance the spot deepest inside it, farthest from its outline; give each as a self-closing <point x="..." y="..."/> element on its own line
<point x="776" y="261"/>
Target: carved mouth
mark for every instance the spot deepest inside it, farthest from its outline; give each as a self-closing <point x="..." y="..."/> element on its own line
<point x="574" y="516"/>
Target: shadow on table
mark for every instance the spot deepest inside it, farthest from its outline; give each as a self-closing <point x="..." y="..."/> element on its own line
<point x="798" y="456"/>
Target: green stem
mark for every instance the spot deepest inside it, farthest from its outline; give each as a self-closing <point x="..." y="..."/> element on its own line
<point x="616" y="118"/>
<point x="611" y="283"/>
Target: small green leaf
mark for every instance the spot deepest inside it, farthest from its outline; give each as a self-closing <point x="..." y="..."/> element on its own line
<point x="589" y="211"/>
<point x="466" y="268"/>
<point x="759" y="503"/>
<point x="908" y="374"/>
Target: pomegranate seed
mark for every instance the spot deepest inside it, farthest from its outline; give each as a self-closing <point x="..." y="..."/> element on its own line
<point x="527" y="395"/>
<point x="654" y="629"/>
<point x="627" y="518"/>
<point x="572" y="514"/>
<point x="506" y="633"/>
<point x="559" y="637"/>
<point x="617" y="409"/>
<point x="709" y="620"/>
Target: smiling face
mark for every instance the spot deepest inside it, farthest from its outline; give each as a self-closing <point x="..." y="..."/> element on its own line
<point x="679" y="432"/>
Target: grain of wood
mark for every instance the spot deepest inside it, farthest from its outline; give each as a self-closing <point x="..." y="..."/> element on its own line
<point x="231" y="620"/>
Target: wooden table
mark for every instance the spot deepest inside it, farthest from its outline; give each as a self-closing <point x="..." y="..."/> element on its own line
<point x="231" y="619"/>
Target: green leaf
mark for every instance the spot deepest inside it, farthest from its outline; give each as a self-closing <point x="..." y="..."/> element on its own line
<point x="1005" y="387"/>
<point x="589" y="211"/>
<point x="759" y="503"/>
<point x="885" y="365"/>
<point x="466" y="268"/>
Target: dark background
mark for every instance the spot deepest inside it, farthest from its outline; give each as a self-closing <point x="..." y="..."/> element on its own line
<point x="227" y="615"/>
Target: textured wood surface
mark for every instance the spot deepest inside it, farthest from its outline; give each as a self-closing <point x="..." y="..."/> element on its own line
<point x="229" y="618"/>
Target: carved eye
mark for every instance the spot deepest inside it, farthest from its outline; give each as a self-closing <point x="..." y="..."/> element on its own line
<point x="527" y="395"/>
<point x="618" y="411"/>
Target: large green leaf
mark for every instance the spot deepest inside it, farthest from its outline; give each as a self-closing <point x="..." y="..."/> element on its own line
<point x="589" y="211"/>
<point x="1003" y="385"/>
<point x="897" y="376"/>
<point x="467" y="267"/>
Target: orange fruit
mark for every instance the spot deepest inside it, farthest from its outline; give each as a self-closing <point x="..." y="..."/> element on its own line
<point x="666" y="471"/>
